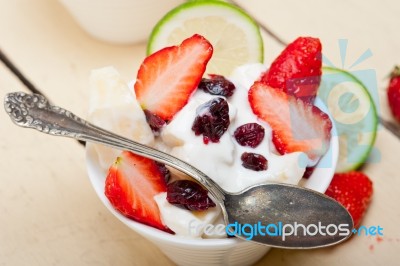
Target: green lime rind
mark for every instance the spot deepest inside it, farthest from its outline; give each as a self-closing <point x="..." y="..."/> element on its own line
<point x="201" y="3"/>
<point x="367" y="127"/>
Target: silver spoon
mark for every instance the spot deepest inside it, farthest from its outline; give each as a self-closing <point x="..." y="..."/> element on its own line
<point x="320" y="220"/>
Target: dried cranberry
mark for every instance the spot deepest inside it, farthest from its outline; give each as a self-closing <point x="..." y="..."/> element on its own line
<point x="308" y="172"/>
<point x="254" y="161"/>
<point x="155" y="122"/>
<point x="250" y="134"/>
<point x="212" y="120"/>
<point x="164" y="171"/>
<point x="217" y="85"/>
<point x="188" y="195"/>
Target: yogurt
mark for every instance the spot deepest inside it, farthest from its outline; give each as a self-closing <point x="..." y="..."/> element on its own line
<point x="220" y="161"/>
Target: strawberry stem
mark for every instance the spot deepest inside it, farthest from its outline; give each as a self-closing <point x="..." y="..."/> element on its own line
<point x="395" y="72"/>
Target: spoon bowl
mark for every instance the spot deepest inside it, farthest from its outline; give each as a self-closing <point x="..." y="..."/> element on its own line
<point x="275" y="210"/>
<point x="272" y="207"/>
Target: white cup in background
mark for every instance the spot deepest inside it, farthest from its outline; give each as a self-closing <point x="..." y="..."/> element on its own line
<point x="119" y="21"/>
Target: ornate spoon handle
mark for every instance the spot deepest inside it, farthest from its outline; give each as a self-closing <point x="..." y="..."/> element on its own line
<point x="34" y="111"/>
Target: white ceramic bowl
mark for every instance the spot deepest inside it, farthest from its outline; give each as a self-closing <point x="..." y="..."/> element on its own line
<point x="228" y="251"/>
<point x="119" y="21"/>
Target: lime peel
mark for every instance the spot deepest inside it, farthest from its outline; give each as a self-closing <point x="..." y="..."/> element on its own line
<point x="357" y="130"/>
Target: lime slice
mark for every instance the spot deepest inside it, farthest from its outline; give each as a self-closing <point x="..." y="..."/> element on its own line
<point x="234" y="35"/>
<point x="354" y="114"/>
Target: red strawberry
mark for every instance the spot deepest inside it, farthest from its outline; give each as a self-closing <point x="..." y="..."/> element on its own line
<point x="297" y="70"/>
<point x="354" y="191"/>
<point x="167" y="78"/>
<point x="296" y="125"/>
<point x="394" y="92"/>
<point x="131" y="184"/>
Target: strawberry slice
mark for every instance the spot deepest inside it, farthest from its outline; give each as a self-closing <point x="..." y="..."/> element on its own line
<point x="354" y="191"/>
<point x="297" y="70"/>
<point x="131" y="184"/>
<point x="167" y="78"/>
<point x="296" y="125"/>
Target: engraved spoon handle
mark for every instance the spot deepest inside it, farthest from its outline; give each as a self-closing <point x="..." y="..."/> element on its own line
<point x="34" y="111"/>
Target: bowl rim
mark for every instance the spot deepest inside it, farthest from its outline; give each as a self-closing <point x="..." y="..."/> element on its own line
<point x="97" y="178"/>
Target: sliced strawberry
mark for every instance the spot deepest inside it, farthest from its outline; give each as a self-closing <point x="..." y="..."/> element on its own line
<point x="297" y="70"/>
<point x="167" y="78"/>
<point x="296" y="125"/>
<point x="131" y="184"/>
<point x="354" y="191"/>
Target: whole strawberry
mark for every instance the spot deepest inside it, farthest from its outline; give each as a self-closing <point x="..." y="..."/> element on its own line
<point x="394" y="92"/>
<point x="354" y="191"/>
<point x="297" y="70"/>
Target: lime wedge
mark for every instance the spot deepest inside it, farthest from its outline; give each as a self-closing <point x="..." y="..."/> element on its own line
<point x="234" y="35"/>
<point x="354" y="114"/>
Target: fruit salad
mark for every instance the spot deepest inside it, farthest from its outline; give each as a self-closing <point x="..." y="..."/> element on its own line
<point x="256" y="125"/>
